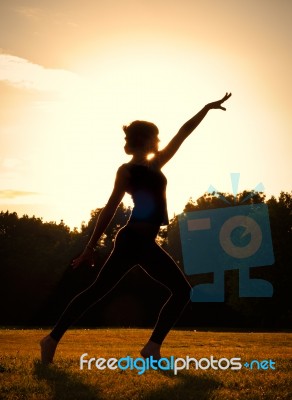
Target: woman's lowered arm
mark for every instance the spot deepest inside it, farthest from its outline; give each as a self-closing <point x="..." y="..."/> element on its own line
<point x="104" y="218"/>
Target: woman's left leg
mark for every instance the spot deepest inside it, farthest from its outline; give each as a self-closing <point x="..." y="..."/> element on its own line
<point x="161" y="267"/>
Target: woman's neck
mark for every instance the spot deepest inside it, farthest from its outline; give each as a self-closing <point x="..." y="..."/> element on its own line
<point x="142" y="159"/>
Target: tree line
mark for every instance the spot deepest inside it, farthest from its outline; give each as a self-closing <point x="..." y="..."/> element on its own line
<point x="37" y="281"/>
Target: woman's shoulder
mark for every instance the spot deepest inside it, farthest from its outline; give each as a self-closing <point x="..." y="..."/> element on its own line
<point x="123" y="170"/>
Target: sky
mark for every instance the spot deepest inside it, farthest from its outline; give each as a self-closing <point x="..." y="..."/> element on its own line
<point x="72" y="73"/>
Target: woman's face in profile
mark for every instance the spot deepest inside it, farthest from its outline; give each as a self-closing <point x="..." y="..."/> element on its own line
<point x="127" y="149"/>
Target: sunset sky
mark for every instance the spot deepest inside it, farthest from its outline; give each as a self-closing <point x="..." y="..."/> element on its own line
<point x="72" y="73"/>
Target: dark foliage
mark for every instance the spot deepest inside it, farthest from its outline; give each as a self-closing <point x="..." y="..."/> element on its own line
<point x="37" y="281"/>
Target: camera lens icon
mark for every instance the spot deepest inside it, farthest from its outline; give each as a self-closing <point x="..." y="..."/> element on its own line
<point x="224" y="239"/>
<point x="249" y="229"/>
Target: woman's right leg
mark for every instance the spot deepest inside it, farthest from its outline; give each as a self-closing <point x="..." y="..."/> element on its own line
<point x="111" y="273"/>
<point x="115" y="268"/>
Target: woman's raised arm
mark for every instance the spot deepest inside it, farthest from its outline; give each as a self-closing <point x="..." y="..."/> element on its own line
<point x="168" y="152"/>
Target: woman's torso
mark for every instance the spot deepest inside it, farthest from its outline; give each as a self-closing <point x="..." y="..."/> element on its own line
<point x="147" y="186"/>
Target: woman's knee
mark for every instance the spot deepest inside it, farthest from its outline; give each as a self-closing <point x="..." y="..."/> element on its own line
<point x="187" y="291"/>
<point x="182" y="291"/>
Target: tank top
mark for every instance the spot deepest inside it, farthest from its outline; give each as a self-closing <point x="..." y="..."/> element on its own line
<point x="147" y="186"/>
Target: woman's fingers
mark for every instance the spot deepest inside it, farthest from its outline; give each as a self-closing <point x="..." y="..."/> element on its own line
<point x="218" y="104"/>
<point x="75" y="263"/>
<point x="84" y="258"/>
<point x="226" y="97"/>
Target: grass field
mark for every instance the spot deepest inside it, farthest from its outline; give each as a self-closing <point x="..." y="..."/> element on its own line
<point x="23" y="377"/>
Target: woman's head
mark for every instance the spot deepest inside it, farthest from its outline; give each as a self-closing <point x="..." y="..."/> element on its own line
<point x="141" y="136"/>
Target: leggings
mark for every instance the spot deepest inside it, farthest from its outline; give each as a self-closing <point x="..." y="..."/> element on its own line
<point x="132" y="247"/>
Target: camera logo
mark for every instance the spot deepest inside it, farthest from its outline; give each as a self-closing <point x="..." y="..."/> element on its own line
<point x="235" y="237"/>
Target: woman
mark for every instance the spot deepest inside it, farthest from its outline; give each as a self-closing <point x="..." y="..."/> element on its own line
<point x="135" y="242"/>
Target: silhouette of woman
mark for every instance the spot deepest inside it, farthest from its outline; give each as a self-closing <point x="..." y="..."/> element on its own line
<point x="135" y="242"/>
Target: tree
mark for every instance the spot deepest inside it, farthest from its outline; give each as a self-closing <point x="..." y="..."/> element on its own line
<point x="269" y="312"/>
<point x="36" y="280"/>
<point x="33" y="256"/>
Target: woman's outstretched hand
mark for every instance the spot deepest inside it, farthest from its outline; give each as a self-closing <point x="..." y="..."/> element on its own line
<point x="218" y="104"/>
<point x="85" y="258"/>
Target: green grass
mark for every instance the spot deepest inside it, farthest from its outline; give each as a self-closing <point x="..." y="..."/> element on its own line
<point x="23" y="377"/>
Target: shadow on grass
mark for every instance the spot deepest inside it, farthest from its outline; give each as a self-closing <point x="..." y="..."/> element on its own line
<point x="184" y="386"/>
<point x="64" y="385"/>
<point x="187" y="387"/>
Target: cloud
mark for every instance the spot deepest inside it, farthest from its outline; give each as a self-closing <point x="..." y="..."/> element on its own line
<point x="10" y="163"/>
<point x="22" y="73"/>
<point x="34" y="13"/>
<point x="13" y="194"/>
<point x="37" y="14"/>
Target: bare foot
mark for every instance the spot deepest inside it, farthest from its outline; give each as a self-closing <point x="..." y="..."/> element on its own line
<point x="48" y="348"/>
<point x="151" y="349"/>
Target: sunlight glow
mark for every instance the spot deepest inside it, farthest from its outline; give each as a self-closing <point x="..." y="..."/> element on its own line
<point x="78" y="138"/>
<point x="80" y="73"/>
